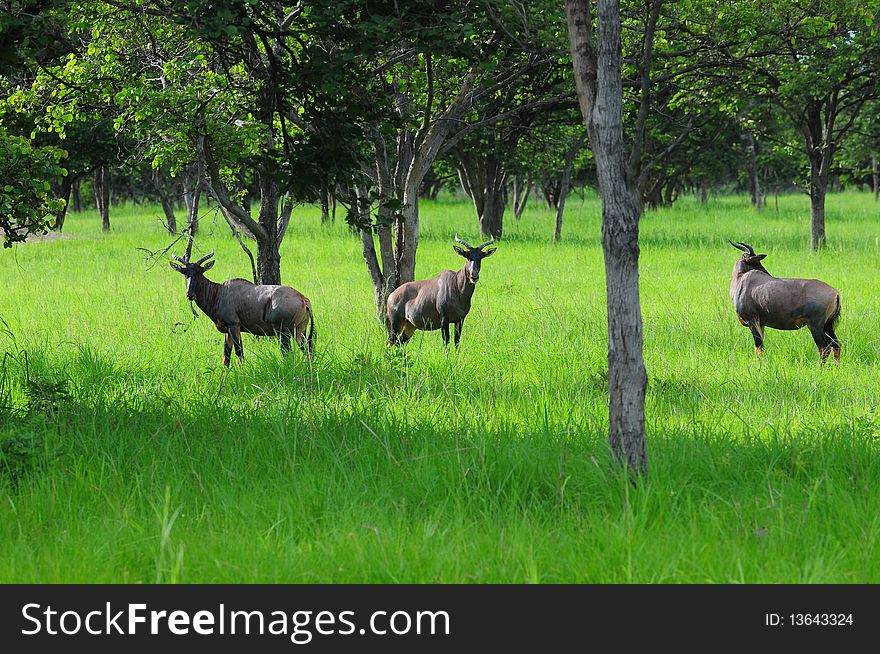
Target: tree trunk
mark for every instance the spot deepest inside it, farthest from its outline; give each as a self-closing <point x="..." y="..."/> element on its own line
<point x="565" y="183"/>
<point x="601" y="102"/>
<point x="170" y="218"/>
<point x="485" y="182"/>
<point x="820" y="161"/>
<point x="102" y="195"/>
<point x="189" y="190"/>
<point x="399" y="176"/>
<point x="817" y="214"/>
<point x="875" y="177"/>
<point x="754" y="179"/>
<point x="66" y="187"/>
<point x="520" y="196"/>
<point x="325" y="204"/>
<point x="77" y="198"/>
<point x="164" y="188"/>
<point x="268" y="255"/>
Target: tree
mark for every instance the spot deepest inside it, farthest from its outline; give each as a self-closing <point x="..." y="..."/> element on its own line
<point x="816" y="62"/>
<point x="443" y="66"/>
<point x="26" y="204"/>
<point x="598" y="79"/>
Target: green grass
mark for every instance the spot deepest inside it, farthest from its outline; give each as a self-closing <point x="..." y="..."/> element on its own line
<point x="131" y="455"/>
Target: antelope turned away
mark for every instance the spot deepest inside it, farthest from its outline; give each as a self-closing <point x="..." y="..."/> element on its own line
<point x="239" y="306"/>
<point x="761" y="300"/>
<point x="436" y="303"/>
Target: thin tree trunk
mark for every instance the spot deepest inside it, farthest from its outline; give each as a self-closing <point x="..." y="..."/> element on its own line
<point x="875" y="177"/>
<point x="565" y="183"/>
<point x="77" y="198"/>
<point x="601" y="100"/>
<point x="189" y="191"/>
<point x="754" y="179"/>
<point x="102" y="196"/>
<point x="66" y="187"/>
<point x="163" y="185"/>
<point x="520" y="196"/>
<point x="325" y="204"/>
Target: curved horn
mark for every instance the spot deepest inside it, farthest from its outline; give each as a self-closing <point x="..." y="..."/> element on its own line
<point x="748" y="247"/>
<point x="176" y="258"/>
<point x="489" y="242"/>
<point x="464" y="243"/>
<point x="738" y="246"/>
<point x="205" y="258"/>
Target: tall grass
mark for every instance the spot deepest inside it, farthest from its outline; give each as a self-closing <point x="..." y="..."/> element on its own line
<point x="129" y="453"/>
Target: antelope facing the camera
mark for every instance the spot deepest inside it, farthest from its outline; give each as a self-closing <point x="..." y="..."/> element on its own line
<point x="761" y="300"/>
<point x="436" y="303"/>
<point x="239" y="306"/>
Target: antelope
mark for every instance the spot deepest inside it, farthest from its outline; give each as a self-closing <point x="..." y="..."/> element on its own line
<point x="761" y="300"/>
<point x="239" y="306"/>
<point x="436" y="303"/>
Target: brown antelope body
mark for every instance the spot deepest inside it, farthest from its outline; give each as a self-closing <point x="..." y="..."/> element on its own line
<point x="761" y="300"/>
<point x="436" y="303"/>
<point x="238" y="306"/>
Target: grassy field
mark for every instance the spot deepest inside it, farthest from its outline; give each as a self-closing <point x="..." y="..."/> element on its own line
<point x="132" y="456"/>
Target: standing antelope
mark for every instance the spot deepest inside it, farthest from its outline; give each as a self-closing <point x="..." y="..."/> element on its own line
<point x="239" y="306"/>
<point x="761" y="300"/>
<point x="436" y="303"/>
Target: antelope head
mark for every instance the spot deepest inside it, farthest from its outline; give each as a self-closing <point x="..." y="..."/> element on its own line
<point x="191" y="270"/>
<point x="749" y="260"/>
<point x="474" y="256"/>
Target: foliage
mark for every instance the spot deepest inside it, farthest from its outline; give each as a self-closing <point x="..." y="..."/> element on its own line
<point x="26" y="205"/>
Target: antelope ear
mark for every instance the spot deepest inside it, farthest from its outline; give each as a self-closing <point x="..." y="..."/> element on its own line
<point x="460" y="251"/>
<point x="176" y="266"/>
<point x="758" y="257"/>
<point x="489" y="252"/>
<point x="207" y="266"/>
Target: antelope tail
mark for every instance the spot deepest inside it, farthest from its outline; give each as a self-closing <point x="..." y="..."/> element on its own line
<point x="311" y="337"/>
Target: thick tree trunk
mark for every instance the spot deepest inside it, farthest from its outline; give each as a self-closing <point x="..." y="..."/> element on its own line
<point x="875" y="177"/>
<point x="485" y="182"/>
<point x="492" y="217"/>
<point x="268" y="256"/>
<point x="817" y="215"/>
<point x="102" y="195"/>
<point x="601" y="102"/>
<point x="168" y="209"/>
<point x="66" y="187"/>
<point x="408" y="239"/>
<point x="820" y="162"/>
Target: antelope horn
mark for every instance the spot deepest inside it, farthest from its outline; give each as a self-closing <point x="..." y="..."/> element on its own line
<point x="464" y="243"/>
<point x="748" y="247"/>
<point x="205" y="258"/>
<point x="738" y="246"/>
<point x="489" y="242"/>
<point x="180" y="259"/>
